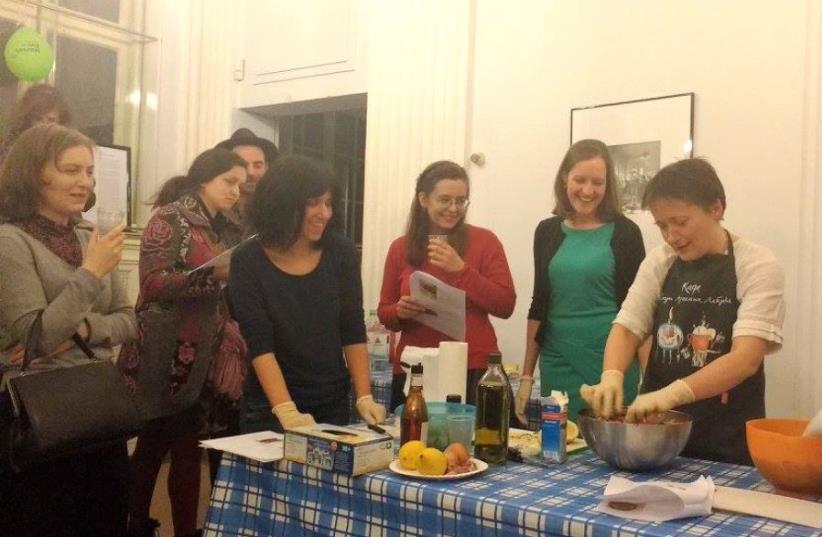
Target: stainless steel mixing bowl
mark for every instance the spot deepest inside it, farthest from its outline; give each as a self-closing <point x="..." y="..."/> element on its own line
<point x="636" y="446"/>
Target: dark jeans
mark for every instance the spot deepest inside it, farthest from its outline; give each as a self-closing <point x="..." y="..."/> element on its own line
<point x="79" y="496"/>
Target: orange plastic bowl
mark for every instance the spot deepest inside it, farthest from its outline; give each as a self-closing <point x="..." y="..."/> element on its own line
<point x="789" y="461"/>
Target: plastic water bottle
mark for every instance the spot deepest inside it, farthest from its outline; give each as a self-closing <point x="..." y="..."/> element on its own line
<point x="378" y="344"/>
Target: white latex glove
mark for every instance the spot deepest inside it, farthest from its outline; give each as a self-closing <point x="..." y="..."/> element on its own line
<point x="523" y="396"/>
<point x="605" y="398"/>
<point x="675" y="394"/>
<point x="290" y="417"/>
<point x="370" y="411"/>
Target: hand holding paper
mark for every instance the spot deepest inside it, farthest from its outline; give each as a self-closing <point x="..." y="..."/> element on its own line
<point x="444" y="304"/>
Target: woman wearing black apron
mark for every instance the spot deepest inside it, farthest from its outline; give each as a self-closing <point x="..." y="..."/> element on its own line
<point x="711" y="303"/>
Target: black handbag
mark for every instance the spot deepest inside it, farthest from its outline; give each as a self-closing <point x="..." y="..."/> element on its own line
<point x="62" y="412"/>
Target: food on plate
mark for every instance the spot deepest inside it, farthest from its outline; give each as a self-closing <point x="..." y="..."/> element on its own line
<point x="523" y="444"/>
<point x="410" y="453"/>
<point x="459" y="460"/>
<point x="432" y="461"/>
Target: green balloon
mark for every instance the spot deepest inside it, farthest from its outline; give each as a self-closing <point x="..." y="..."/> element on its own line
<point x="28" y="55"/>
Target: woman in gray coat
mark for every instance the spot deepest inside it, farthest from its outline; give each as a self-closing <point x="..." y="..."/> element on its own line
<point x="51" y="261"/>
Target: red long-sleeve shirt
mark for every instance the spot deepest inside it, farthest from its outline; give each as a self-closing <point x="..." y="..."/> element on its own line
<point x="486" y="280"/>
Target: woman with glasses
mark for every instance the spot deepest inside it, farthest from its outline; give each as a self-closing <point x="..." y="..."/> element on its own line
<point x="585" y="259"/>
<point x="439" y="242"/>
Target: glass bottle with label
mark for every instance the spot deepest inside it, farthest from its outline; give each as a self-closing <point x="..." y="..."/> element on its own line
<point x="414" y="419"/>
<point x="493" y="407"/>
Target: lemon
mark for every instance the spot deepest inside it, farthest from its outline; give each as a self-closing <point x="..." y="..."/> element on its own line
<point x="409" y="454"/>
<point x="572" y="432"/>
<point x="432" y="462"/>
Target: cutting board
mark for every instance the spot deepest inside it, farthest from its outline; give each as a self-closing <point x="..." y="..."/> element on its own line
<point x="767" y="505"/>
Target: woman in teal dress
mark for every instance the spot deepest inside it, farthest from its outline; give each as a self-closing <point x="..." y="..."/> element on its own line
<point x="585" y="259"/>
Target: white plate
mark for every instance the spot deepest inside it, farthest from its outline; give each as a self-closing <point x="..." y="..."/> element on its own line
<point x="397" y="469"/>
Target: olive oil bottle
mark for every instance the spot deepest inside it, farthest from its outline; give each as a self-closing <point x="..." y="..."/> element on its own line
<point x="493" y="407"/>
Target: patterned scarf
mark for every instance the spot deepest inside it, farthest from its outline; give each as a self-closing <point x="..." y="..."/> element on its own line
<point x="61" y="240"/>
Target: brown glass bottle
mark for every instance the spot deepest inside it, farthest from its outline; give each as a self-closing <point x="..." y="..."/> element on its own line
<point x="414" y="419"/>
<point x="493" y="404"/>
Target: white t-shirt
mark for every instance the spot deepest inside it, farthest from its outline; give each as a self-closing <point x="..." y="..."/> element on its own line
<point x="759" y="289"/>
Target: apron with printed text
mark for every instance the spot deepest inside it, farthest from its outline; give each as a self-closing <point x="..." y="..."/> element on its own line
<point x="693" y="325"/>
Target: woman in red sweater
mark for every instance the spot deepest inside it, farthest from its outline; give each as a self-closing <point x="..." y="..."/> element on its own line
<point x="472" y="259"/>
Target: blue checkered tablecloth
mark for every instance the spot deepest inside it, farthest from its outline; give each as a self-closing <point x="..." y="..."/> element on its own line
<point x="286" y="498"/>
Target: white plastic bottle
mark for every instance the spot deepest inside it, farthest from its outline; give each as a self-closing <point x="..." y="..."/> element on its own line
<point x="377" y="343"/>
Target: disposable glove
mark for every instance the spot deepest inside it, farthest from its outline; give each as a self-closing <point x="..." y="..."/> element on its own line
<point x="290" y="417"/>
<point x="605" y="398"/>
<point x="523" y="396"/>
<point x="675" y="394"/>
<point x="370" y="411"/>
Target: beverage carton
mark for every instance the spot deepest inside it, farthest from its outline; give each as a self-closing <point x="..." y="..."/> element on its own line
<point x="554" y="417"/>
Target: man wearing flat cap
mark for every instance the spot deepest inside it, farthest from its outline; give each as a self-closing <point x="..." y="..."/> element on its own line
<point x="258" y="153"/>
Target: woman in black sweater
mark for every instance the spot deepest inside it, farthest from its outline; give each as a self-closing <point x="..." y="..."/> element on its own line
<point x="296" y="291"/>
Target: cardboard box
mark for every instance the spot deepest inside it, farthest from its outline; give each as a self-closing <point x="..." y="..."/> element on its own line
<point x="349" y="450"/>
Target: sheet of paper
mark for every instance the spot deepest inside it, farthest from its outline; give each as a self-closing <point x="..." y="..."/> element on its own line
<point x="220" y="260"/>
<point x="444" y="304"/>
<point x="264" y="446"/>
<point x="111" y="174"/>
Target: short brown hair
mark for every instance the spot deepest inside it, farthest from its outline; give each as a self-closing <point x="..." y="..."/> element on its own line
<point x="692" y="180"/>
<point x="583" y="150"/>
<point x="21" y="175"/>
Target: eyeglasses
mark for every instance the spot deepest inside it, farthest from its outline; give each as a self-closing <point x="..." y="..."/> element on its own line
<point x="446" y="201"/>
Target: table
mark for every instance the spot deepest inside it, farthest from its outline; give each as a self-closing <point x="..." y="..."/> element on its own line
<point x="285" y="498"/>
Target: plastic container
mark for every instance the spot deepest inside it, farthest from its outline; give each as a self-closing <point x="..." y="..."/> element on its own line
<point x="791" y="462"/>
<point x="437" y="425"/>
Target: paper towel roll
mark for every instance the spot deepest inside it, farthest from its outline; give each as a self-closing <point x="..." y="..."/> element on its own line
<point x="443" y="370"/>
<point x="452" y="369"/>
<point x="427" y="357"/>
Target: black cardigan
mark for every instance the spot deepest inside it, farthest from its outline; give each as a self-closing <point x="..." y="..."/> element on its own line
<point x="626" y="243"/>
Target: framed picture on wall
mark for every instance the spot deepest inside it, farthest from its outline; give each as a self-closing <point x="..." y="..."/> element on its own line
<point x="642" y="136"/>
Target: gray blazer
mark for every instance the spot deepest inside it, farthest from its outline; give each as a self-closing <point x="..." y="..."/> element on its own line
<point x="33" y="278"/>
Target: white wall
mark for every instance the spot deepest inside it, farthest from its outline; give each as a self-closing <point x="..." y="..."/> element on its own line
<point x="744" y="60"/>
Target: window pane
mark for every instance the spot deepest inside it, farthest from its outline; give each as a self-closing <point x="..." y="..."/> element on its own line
<point x="104" y="9"/>
<point x="87" y="77"/>
<point x="8" y="82"/>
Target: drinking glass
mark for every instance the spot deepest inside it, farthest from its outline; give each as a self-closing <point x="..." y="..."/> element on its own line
<point x="460" y="429"/>
<point x="108" y="219"/>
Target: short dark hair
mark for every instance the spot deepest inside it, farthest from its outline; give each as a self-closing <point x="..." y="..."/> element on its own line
<point x="35" y="103"/>
<point x="278" y="207"/>
<point x="208" y="165"/>
<point x="580" y="151"/>
<point x="21" y="174"/>
<point x="693" y="180"/>
<point x="416" y="234"/>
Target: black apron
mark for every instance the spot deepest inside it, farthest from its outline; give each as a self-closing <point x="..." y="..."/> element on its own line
<point x="693" y="325"/>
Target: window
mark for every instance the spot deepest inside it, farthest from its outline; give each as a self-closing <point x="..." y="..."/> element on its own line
<point x="98" y="55"/>
<point x="338" y="138"/>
